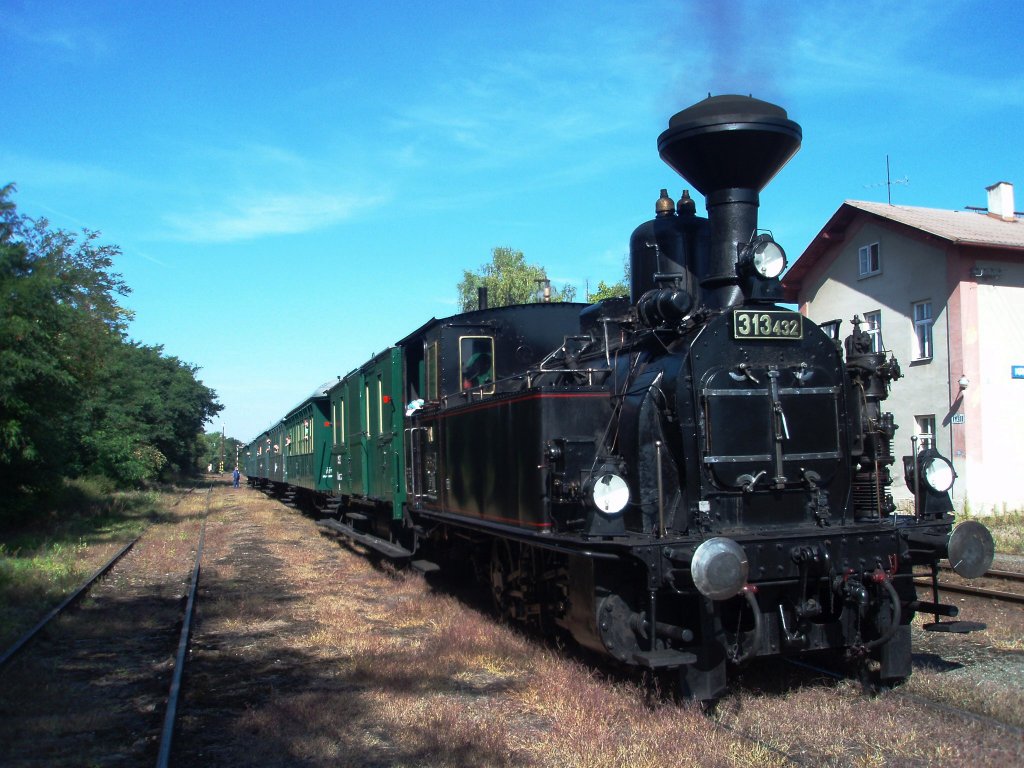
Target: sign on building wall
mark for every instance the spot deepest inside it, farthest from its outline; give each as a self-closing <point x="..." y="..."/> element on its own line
<point x="958" y="418"/>
<point x="1017" y="371"/>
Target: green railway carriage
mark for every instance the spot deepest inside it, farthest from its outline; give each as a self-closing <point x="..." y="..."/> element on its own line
<point x="276" y="470"/>
<point x="367" y="449"/>
<point x="258" y="459"/>
<point x="250" y="461"/>
<point x="306" y="447"/>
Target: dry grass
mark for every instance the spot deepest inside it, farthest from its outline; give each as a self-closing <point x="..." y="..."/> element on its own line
<point x="842" y="727"/>
<point x="377" y="669"/>
<point x="306" y="653"/>
<point x="40" y="564"/>
<point x="1007" y="527"/>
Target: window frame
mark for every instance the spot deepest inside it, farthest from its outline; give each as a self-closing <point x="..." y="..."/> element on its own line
<point x="925" y="437"/>
<point x="864" y="257"/>
<point x="380" y="404"/>
<point x="366" y="398"/>
<point x="875" y="330"/>
<point x="480" y="389"/>
<point x="432" y="355"/>
<point x="924" y="336"/>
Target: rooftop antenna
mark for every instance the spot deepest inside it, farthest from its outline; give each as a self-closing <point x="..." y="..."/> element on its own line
<point x="889" y="181"/>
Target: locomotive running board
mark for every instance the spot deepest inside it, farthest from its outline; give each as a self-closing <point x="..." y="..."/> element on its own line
<point x="957" y="627"/>
<point x="666" y="659"/>
<point x="386" y="548"/>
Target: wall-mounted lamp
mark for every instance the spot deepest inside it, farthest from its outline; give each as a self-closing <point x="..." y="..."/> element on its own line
<point x="964" y="382"/>
<point x="985" y="272"/>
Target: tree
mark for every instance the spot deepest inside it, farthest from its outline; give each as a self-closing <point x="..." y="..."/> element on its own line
<point x="58" y="314"/>
<point x="211" y="451"/>
<point x="147" y="415"/>
<point x="509" y="280"/>
<point x="613" y="290"/>
<point x="605" y="291"/>
<point x="76" y="397"/>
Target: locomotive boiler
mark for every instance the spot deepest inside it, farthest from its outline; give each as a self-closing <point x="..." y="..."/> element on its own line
<point x="684" y="480"/>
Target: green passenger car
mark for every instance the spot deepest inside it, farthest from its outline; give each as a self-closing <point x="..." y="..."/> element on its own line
<point x="367" y="449"/>
<point x="306" y="446"/>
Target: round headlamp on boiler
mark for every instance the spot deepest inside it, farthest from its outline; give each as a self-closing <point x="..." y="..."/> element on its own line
<point x="762" y="257"/>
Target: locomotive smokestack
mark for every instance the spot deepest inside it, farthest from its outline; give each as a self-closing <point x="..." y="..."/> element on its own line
<point x="729" y="148"/>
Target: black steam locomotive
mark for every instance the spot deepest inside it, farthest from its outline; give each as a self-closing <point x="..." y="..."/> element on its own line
<point x="687" y="479"/>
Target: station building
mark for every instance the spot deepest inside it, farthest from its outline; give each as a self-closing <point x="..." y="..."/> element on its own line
<point x="944" y="292"/>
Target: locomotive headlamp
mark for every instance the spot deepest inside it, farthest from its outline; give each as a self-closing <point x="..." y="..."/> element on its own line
<point x="767" y="256"/>
<point x="610" y="493"/>
<point x="937" y="473"/>
<point x="719" y="568"/>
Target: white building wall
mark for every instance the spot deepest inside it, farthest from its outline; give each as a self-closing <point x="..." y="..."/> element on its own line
<point x="995" y="482"/>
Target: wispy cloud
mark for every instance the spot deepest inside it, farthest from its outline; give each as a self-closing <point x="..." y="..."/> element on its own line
<point x="508" y="109"/>
<point x="829" y="52"/>
<point x="69" y="37"/>
<point x="55" y="173"/>
<point x="273" y="213"/>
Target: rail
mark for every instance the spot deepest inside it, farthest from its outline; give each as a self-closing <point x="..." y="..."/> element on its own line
<point x="167" y="734"/>
<point x="70" y="600"/>
<point x="963" y="589"/>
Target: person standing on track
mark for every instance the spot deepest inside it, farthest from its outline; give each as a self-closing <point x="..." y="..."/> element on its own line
<point x="234" y="476"/>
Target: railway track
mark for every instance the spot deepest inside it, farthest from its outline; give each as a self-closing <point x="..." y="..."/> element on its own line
<point x="167" y="733"/>
<point x="22" y="642"/>
<point x="181" y="655"/>
<point x="1006" y="596"/>
<point x="937" y="706"/>
<point x="805" y="758"/>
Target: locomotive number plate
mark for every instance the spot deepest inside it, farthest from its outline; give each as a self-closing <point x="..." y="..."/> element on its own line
<point x="753" y="325"/>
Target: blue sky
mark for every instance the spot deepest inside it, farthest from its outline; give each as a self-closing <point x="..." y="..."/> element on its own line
<point x="295" y="187"/>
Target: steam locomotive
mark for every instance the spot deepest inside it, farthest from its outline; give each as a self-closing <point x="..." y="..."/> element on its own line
<point x="684" y="480"/>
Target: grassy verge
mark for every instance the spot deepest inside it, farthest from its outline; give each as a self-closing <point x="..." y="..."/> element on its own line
<point x="69" y="537"/>
<point x="1007" y="530"/>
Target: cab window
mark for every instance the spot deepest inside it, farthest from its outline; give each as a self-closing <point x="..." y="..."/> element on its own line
<point x="476" y="362"/>
<point x="431" y="371"/>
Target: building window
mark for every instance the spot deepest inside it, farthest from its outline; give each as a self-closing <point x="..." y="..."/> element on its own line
<point x="870" y="260"/>
<point x="925" y="431"/>
<point x="923" y="330"/>
<point x="873" y="328"/>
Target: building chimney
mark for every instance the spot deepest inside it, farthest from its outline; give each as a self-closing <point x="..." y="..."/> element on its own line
<point x="1000" y="201"/>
